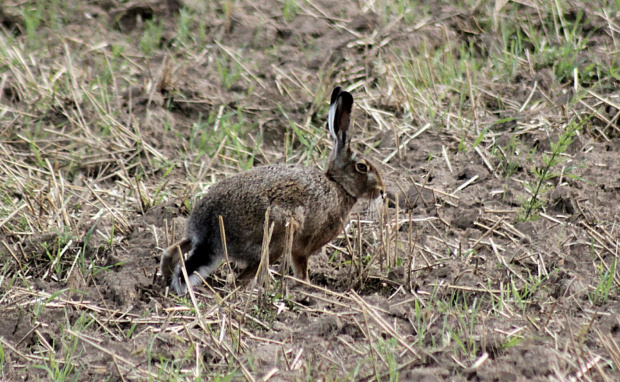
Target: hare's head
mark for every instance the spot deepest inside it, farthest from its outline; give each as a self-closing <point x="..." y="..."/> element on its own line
<point x="356" y="175"/>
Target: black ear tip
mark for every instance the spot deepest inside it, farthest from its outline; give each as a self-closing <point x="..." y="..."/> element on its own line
<point x="335" y="93"/>
<point x="347" y="100"/>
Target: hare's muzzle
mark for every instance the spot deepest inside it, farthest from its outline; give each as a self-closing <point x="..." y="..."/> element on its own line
<point x="379" y="191"/>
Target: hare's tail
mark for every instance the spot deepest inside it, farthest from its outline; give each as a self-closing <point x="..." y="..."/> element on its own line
<point x="202" y="260"/>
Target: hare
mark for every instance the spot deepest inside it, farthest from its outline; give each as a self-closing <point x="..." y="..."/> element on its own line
<point x="316" y="203"/>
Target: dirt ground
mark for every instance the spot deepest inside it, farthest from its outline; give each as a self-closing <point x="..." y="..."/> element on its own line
<point x="107" y="139"/>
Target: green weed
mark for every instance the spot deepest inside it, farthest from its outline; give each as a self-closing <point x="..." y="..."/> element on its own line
<point x="152" y="36"/>
<point x="605" y="285"/>
<point x="543" y="175"/>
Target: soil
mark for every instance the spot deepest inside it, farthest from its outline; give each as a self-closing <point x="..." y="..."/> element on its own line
<point x="448" y="283"/>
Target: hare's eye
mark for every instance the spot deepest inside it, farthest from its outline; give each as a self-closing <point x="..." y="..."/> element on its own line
<point x="361" y="167"/>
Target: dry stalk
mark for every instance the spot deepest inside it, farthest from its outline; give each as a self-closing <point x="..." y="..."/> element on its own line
<point x="223" y="239"/>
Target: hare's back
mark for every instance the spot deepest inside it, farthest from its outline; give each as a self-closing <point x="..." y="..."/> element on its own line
<point x="272" y="184"/>
<point x="243" y="199"/>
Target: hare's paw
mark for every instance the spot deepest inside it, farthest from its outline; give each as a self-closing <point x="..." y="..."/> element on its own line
<point x="178" y="284"/>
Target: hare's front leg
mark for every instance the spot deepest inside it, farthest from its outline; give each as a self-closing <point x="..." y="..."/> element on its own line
<point x="300" y="266"/>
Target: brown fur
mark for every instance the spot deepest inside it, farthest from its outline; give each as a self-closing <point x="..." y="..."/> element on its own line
<point x="317" y="204"/>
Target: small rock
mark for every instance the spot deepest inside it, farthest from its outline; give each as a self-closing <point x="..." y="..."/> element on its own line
<point x="465" y="218"/>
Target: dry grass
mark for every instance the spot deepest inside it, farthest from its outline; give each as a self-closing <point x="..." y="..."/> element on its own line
<point x="494" y="258"/>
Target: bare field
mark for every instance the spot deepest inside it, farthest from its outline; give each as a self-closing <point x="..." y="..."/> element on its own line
<point x="494" y="123"/>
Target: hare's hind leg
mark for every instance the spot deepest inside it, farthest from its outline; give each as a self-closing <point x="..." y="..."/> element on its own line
<point x="170" y="258"/>
<point x="247" y="274"/>
<point x="252" y="266"/>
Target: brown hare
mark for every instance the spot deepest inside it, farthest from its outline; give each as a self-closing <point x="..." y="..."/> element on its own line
<point x="316" y="203"/>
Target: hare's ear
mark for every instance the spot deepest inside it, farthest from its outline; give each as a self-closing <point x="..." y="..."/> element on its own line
<point x="339" y="118"/>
